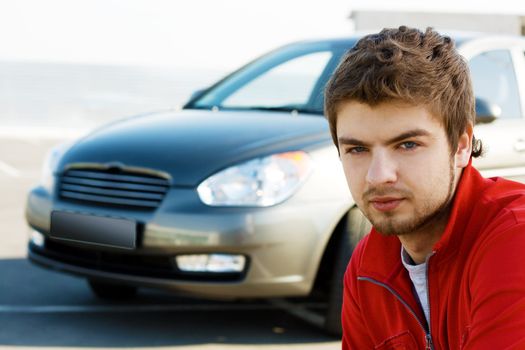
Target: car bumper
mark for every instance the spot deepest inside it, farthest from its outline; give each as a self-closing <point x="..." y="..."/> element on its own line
<point x="283" y="245"/>
<point x="217" y="288"/>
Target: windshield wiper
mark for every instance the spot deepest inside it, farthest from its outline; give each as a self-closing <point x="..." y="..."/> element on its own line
<point x="290" y="109"/>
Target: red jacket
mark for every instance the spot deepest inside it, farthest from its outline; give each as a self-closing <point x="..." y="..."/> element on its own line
<point x="476" y="279"/>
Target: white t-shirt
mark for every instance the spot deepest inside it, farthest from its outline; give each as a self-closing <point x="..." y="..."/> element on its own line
<point x="418" y="275"/>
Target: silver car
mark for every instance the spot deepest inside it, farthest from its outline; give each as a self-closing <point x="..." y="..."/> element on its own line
<point x="241" y="193"/>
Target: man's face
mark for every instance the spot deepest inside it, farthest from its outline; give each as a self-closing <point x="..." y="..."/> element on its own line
<point x="398" y="165"/>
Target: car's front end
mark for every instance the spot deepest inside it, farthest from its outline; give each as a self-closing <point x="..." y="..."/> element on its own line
<point x="238" y="195"/>
<point x="188" y="216"/>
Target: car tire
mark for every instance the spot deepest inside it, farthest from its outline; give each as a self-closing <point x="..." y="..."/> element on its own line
<point x="353" y="228"/>
<point x="111" y="291"/>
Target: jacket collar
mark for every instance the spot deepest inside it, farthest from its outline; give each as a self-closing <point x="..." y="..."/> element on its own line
<point x="469" y="192"/>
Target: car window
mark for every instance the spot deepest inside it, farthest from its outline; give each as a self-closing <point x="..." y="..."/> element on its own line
<point x="494" y="79"/>
<point x="288" y="84"/>
<point x="290" y="78"/>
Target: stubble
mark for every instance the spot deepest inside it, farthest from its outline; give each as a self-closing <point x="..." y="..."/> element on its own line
<point x="427" y="215"/>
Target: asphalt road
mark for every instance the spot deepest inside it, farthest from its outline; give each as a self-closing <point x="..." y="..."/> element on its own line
<point x="41" y="308"/>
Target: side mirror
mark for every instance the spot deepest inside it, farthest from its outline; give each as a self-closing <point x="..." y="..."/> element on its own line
<point x="486" y="111"/>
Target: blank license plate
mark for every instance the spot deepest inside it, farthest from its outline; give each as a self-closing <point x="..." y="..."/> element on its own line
<point x="97" y="230"/>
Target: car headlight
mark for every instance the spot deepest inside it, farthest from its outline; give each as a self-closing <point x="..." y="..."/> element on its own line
<point x="260" y="182"/>
<point x="47" y="179"/>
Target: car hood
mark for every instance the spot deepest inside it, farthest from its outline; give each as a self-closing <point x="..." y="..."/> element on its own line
<point x="191" y="145"/>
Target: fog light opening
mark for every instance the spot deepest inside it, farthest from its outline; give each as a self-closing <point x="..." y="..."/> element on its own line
<point x="37" y="238"/>
<point x="216" y="263"/>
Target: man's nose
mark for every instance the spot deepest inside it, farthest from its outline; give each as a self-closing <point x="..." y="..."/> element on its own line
<point x="382" y="169"/>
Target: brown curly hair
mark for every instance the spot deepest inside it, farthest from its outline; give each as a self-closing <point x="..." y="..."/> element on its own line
<point x="410" y="66"/>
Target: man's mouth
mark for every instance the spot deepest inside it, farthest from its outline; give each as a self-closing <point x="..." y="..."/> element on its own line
<point x="385" y="204"/>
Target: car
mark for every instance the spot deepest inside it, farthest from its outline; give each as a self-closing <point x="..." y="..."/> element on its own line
<point x="240" y="194"/>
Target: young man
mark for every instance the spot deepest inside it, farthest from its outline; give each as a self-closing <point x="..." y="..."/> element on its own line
<point x="444" y="265"/>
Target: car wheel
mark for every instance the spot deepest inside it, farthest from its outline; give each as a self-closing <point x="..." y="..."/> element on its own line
<point x="354" y="227"/>
<point x="111" y="291"/>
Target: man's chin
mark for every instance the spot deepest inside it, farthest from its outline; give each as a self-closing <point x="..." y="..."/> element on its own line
<point x="391" y="226"/>
<point x="388" y="230"/>
<point x="395" y="222"/>
<point x="399" y="226"/>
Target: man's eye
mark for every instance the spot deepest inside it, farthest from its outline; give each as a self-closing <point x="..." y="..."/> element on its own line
<point x="357" y="149"/>
<point x="409" y="145"/>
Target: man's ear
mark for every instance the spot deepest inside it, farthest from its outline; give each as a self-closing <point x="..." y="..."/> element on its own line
<point x="464" y="149"/>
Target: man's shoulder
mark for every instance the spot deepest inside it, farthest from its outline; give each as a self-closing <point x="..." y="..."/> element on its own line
<point x="498" y="217"/>
<point x="505" y="199"/>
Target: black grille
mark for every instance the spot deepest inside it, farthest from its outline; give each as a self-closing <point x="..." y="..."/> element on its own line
<point x="113" y="187"/>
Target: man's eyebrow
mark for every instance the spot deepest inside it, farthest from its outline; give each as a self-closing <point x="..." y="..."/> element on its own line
<point x="351" y="141"/>
<point x="407" y="135"/>
<point x="411" y="133"/>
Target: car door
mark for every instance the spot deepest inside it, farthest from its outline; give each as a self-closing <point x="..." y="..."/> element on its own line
<point x="495" y="78"/>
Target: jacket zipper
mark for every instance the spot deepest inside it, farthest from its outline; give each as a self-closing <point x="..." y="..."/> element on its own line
<point x="430" y="345"/>
<point x="428" y="335"/>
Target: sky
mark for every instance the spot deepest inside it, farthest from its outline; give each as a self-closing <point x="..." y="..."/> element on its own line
<point x="459" y="6"/>
<point x="217" y="34"/>
<point x="188" y="33"/>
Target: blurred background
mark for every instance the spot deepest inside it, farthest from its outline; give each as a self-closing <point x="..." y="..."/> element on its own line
<point x="76" y="64"/>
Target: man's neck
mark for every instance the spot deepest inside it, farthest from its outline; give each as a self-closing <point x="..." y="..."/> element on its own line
<point x="419" y="244"/>
<point x="418" y="248"/>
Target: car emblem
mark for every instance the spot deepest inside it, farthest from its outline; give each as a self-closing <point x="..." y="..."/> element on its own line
<point x="114" y="167"/>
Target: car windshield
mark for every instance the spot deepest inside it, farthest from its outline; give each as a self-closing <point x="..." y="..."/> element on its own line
<point x="289" y="79"/>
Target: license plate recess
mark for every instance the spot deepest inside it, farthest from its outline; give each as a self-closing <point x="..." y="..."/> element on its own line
<point x="94" y="230"/>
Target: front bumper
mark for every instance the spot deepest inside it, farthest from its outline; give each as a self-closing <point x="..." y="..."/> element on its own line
<point x="283" y="245"/>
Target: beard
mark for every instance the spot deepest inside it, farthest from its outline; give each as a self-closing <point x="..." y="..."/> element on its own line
<point x="433" y="210"/>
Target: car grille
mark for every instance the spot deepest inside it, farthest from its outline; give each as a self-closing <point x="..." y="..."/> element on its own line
<point x="114" y="188"/>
